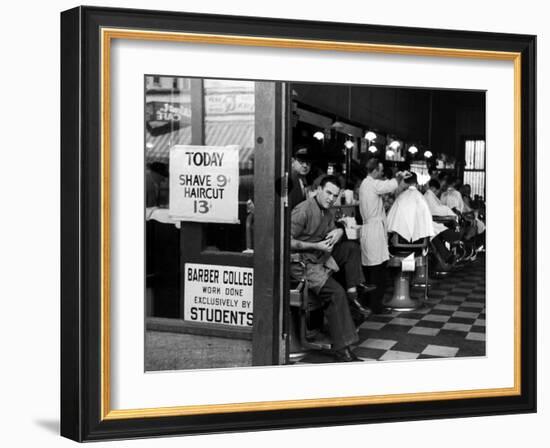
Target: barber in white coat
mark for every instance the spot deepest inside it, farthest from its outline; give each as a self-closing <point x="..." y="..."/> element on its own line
<point x="374" y="236"/>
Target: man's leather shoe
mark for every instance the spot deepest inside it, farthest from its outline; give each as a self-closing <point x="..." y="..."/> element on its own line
<point x="363" y="310"/>
<point x="365" y="288"/>
<point x="353" y="298"/>
<point x="346" y="355"/>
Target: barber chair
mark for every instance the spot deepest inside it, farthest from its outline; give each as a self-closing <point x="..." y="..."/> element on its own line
<point x="401" y="299"/>
<point x="304" y="311"/>
<point x="421" y="278"/>
<point x="457" y="248"/>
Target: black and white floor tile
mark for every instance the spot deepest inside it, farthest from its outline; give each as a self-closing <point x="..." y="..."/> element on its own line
<point x="451" y="324"/>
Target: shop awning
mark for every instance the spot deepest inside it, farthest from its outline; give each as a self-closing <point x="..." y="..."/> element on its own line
<point x="157" y="148"/>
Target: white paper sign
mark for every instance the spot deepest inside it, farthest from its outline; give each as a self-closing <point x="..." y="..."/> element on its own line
<point x="204" y="183"/>
<point x="407" y="264"/>
<point x="218" y="294"/>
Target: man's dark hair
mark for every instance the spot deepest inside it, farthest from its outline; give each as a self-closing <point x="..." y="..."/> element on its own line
<point x="329" y="179"/>
<point x="412" y="179"/>
<point x="372" y="164"/>
<point x="452" y="180"/>
<point x="434" y="183"/>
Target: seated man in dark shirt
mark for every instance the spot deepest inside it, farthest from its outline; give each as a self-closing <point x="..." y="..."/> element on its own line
<point x="315" y="236"/>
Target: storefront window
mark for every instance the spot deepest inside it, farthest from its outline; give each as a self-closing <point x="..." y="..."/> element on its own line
<point x="229" y="120"/>
<point x="167" y="123"/>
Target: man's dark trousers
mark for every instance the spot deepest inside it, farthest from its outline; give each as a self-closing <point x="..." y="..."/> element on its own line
<point x="376" y="275"/>
<point x="347" y="255"/>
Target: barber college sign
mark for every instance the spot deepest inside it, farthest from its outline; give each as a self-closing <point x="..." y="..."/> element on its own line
<point x="204" y="183"/>
<point x="219" y="294"/>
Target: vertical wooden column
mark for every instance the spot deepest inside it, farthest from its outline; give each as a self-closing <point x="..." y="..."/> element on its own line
<point x="268" y="294"/>
<point x="192" y="230"/>
<point x="197" y="111"/>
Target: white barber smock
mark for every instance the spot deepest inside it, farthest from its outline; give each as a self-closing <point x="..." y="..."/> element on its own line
<point x="374" y="235"/>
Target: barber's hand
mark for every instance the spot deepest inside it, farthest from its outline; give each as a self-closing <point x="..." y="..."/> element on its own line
<point x="334" y="236"/>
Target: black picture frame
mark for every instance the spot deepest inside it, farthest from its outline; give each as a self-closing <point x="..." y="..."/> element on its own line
<point x="81" y="257"/>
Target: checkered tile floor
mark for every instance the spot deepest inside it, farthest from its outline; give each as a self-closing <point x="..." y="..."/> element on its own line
<point x="452" y="324"/>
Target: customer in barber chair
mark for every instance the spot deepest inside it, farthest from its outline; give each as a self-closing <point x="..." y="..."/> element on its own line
<point x="453" y="199"/>
<point x="324" y="250"/>
<point x="445" y="233"/>
<point x="472" y="208"/>
<point x="410" y="215"/>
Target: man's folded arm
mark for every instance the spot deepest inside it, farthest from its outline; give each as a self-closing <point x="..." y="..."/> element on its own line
<point x="297" y="245"/>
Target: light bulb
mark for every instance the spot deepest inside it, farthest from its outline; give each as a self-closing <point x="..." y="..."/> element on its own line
<point x="370" y="136"/>
<point x="395" y="145"/>
<point x="319" y="135"/>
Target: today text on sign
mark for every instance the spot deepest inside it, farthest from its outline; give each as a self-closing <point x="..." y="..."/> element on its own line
<point x="200" y="158"/>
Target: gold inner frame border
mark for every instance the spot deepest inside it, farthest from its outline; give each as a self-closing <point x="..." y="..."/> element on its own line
<point x="107" y="35"/>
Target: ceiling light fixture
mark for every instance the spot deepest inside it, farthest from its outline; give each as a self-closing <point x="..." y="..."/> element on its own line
<point x="370" y="136"/>
<point x="395" y="145"/>
<point x="319" y="135"/>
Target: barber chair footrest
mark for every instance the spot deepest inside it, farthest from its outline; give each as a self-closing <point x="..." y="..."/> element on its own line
<point x="295" y="357"/>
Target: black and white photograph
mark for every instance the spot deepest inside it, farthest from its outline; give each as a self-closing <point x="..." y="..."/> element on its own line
<point x="373" y="197"/>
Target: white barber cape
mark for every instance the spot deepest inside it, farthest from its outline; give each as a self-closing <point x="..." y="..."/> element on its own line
<point x="410" y="216"/>
<point x="374" y="234"/>
<point x="435" y="205"/>
<point x="453" y="199"/>
<point x="437" y="209"/>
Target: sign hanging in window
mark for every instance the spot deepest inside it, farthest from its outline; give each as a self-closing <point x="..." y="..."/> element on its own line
<point x="219" y="294"/>
<point x="204" y="183"/>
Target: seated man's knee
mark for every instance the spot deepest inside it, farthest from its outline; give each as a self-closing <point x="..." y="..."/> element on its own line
<point x="339" y="295"/>
<point x="334" y="292"/>
<point x="351" y="248"/>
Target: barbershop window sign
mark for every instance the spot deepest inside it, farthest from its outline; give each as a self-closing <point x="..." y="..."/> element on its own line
<point x="218" y="294"/>
<point x="204" y="183"/>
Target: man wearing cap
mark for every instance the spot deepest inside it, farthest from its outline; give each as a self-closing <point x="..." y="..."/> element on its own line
<point x="300" y="168"/>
